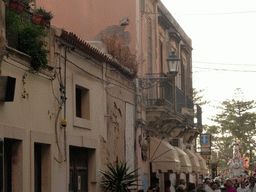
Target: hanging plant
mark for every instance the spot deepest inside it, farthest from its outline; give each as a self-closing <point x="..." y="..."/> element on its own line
<point x="24" y="94"/>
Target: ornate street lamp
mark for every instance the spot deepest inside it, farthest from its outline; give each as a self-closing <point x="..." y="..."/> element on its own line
<point x="173" y="64"/>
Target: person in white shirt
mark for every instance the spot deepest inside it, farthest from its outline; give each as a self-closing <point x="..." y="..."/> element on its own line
<point x="242" y="187"/>
<point x="251" y="187"/>
<point x="172" y="189"/>
<point x="214" y="187"/>
<point x="207" y="185"/>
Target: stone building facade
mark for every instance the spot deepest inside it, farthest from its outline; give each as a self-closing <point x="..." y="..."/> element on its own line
<point x="66" y="122"/>
<point x="110" y="114"/>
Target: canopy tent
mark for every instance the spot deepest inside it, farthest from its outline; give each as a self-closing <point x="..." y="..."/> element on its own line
<point x="194" y="161"/>
<point x="186" y="166"/>
<point x="202" y="163"/>
<point x="163" y="156"/>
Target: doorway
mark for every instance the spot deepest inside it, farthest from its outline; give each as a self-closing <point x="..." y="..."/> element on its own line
<point x="78" y="169"/>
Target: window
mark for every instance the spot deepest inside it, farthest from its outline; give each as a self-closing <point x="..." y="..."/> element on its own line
<point x="161" y="61"/>
<point x="82" y="102"/>
<point x="150" y="42"/>
<point x="182" y="77"/>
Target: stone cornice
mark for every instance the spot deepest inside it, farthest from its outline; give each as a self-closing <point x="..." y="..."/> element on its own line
<point x="168" y="21"/>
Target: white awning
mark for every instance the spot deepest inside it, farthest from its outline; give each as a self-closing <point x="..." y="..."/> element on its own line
<point x="163" y="156"/>
<point x="202" y="162"/>
<point x="186" y="166"/>
<point x="194" y="161"/>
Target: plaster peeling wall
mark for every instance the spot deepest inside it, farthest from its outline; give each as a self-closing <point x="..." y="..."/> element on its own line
<point x="129" y="135"/>
<point x="119" y="31"/>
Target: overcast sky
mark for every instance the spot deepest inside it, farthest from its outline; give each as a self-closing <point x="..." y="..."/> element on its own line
<point x="223" y="34"/>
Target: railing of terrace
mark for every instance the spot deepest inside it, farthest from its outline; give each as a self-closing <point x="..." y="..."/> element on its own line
<point x="158" y="90"/>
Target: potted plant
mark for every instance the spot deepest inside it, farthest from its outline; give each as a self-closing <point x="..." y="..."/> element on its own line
<point x="37" y="19"/>
<point x="17" y="6"/>
<point x="47" y="16"/>
<point x="118" y="177"/>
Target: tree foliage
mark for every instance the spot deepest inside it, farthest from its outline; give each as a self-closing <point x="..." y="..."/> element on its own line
<point x="236" y="120"/>
<point x="198" y="97"/>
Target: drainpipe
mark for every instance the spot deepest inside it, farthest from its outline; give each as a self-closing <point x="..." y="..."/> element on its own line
<point x="64" y="101"/>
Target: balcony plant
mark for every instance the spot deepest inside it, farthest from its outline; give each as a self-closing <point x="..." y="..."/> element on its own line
<point x="17" y="6"/>
<point x="29" y="42"/>
<point x="43" y="15"/>
<point x="13" y="23"/>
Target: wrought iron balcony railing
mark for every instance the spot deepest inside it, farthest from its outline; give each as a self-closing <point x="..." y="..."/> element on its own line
<point x="158" y="90"/>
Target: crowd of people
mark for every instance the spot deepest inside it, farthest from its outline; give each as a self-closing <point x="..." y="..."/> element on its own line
<point x="237" y="184"/>
<point x="219" y="184"/>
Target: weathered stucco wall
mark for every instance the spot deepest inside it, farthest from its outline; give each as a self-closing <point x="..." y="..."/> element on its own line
<point x="2" y="18"/>
<point x="118" y="95"/>
<point x="87" y="18"/>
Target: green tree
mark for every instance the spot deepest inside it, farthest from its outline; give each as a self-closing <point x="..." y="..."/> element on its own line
<point x="236" y="120"/>
<point x="198" y="97"/>
<point x="221" y="145"/>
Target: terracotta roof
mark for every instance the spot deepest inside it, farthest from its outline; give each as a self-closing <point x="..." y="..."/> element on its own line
<point x="92" y="51"/>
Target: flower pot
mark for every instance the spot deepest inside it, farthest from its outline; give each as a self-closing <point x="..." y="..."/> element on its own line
<point x="16" y="6"/>
<point x="37" y="19"/>
<point x="43" y="22"/>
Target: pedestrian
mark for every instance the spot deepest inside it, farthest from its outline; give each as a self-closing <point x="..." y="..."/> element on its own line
<point x="167" y="185"/>
<point x="214" y="187"/>
<point x="251" y="186"/>
<point x="242" y="187"/>
<point x="223" y="188"/>
<point x="200" y="188"/>
<point x="235" y="183"/>
<point x="230" y="187"/>
<point x="156" y="184"/>
<point x="181" y="188"/>
<point x="207" y="183"/>
<point x="172" y="189"/>
<point x="191" y="187"/>
<point x="151" y="189"/>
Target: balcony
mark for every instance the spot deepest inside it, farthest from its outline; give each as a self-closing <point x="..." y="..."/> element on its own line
<point x="28" y="38"/>
<point x="160" y="96"/>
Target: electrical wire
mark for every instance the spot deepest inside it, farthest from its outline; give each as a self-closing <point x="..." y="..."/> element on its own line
<point x="208" y="62"/>
<point x="54" y="94"/>
<point x="108" y="82"/>
<point x="101" y="66"/>
<point x="111" y="69"/>
<point x="117" y="97"/>
<point x="229" y="70"/>
<point x="210" y="14"/>
<point x="56" y="136"/>
<point x="37" y="74"/>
